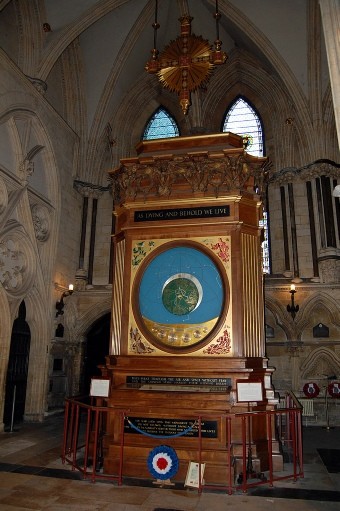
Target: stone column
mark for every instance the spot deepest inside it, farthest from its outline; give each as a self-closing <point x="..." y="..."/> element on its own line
<point x="330" y="13"/>
<point x="87" y="242"/>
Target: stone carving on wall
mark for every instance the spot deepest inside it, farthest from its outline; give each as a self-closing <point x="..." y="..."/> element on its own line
<point x="26" y="167"/>
<point x="307" y="172"/>
<point x="40" y="85"/>
<point x="41" y="222"/>
<point x="89" y="189"/>
<point x="17" y="261"/>
<point x="12" y="264"/>
<point x="3" y="196"/>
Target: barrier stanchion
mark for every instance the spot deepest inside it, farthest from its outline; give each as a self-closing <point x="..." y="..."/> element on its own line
<point x="13" y="409"/>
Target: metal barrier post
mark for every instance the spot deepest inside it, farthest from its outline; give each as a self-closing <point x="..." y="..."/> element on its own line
<point x="270" y="447"/>
<point x="122" y="439"/>
<point x="230" y="485"/>
<point x="244" y="454"/>
<point x="65" y="432"/>
<point x="75" y="431"/>
<point x="87" y="441"/>
<point x="13" y="409"/>
<point x="199" y="454"/>
<point x="95" y="443"/>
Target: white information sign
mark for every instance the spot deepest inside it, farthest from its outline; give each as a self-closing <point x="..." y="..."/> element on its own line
<point x="249" y="391"/>
<point x="192" y="477"/>
<point x="99" y="387"/>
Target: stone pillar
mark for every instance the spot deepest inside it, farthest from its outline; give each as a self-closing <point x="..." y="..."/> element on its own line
<point x="330" y="13"/>
<point x="87" y="242"/>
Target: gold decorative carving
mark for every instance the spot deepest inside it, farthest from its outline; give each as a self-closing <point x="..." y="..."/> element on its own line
<point x="180" y="335"/>
<point x="138" y="345"/>
<point x="205" y="173"/>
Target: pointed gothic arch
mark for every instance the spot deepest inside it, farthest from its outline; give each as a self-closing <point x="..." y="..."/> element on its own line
<point x="321" y="362"/>
<point x="17" y="370"/>
<point x="161" y="124"/>
<point x="242" y="118"/>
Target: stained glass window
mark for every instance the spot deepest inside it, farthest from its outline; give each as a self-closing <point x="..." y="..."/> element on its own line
<point x="160" y="125"/>
<point x="242" y="119"/>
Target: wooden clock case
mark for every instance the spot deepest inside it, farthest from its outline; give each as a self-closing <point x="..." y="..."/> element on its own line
<point x="202" y="192"/>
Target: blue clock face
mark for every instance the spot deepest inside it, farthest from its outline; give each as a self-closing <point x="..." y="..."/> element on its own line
<point x="181" y="297"/>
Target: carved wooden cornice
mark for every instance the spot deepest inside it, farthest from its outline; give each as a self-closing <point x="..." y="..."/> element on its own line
<point x="208" y="173"/>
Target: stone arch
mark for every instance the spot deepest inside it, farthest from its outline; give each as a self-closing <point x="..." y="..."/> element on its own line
<point x="272" y="56"/>
<point x="143" y="100"/>
<point x="77" y="327"/>
<point x="326" y="306"/>
<point x="5" y="336"/>
<point x="34" y="204"/>
<point x="37" y="310"/>
<point x="282" y="318"/>
<point x="245" y="75"/>
<point x="320" y="364"/>
<point x="63" y="39"/>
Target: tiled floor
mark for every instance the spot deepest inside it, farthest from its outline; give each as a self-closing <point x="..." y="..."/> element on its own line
<point x="34" y="478"/>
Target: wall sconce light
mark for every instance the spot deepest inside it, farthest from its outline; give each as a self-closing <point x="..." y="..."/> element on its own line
<point x="292" y="308"/>
<point x="60" y="303"/>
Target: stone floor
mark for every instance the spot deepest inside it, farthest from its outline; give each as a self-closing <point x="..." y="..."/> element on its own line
<point x="34" y="478"/>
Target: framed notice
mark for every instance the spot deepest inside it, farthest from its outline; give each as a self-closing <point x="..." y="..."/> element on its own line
<point x="192" y="477"/>
<point x="100" y="387"/>
<point x="248" y="391"/>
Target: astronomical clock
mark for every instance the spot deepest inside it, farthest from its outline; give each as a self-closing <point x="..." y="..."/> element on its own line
<point x="187" y="302"/>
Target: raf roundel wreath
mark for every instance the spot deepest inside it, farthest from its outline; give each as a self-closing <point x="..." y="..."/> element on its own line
<point x="311" y="389"/>
<point x="334" y="389"/>
<point x="163" y="462"/>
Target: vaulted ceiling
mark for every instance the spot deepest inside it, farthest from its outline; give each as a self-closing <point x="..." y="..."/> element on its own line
<point x="93" y="52"/>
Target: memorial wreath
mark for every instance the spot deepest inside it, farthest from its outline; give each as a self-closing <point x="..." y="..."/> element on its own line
<point x="311" y="389"/>
<point x="163" y="462"/>
<point x="334" y="389"/>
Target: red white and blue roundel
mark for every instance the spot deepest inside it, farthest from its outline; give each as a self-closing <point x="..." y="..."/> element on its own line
<point x="163" y="462"/>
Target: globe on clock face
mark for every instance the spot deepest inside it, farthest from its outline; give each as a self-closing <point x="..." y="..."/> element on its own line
<point x="181" y="297"/>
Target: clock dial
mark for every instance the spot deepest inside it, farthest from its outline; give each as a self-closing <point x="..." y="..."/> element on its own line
<point x="181" y="294"/>
<point x="181" y="298"/>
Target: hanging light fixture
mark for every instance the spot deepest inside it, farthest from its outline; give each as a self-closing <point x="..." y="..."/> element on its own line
<point x="186" y="63"/>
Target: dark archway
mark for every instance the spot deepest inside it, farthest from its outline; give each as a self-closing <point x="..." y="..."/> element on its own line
<point x="16" y="379"/>
<point x="96" y="349"/>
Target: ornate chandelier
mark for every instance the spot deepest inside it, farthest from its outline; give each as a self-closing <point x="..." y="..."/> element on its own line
<point x="186" y="63"/>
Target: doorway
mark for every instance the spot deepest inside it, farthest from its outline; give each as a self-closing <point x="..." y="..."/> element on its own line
<point x="96" y="349"/>
<point x="16" y="379"/>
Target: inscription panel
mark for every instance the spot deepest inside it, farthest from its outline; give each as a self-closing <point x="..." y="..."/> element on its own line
<point x="181" y="213"/>
<point x="170" y="427"/>
<point x="224" y="383"/>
